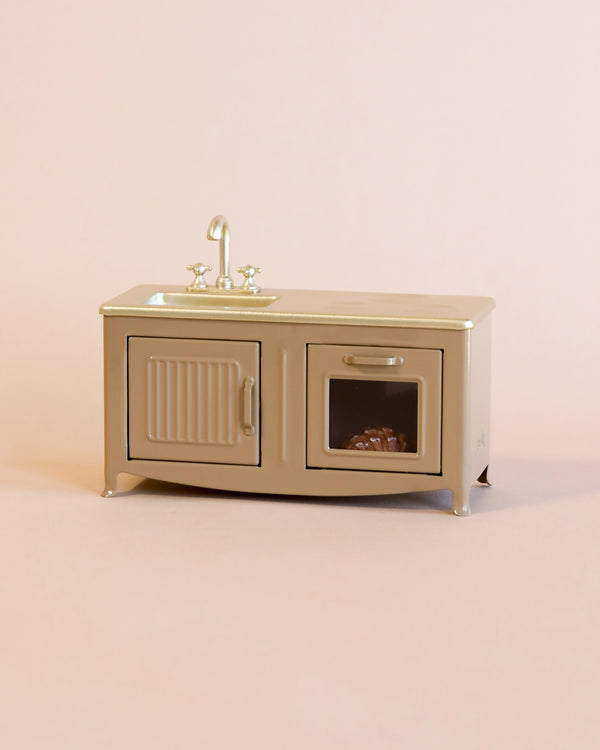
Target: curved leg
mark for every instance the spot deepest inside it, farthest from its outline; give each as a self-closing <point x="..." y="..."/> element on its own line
<point x="460" y="501"/>
<point x="110" y="485"/>
<point x="483" y="477"/>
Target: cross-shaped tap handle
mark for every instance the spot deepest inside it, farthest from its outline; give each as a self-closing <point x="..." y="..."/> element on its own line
<point x="248" y="273"/>
<point x="199" y="270"/>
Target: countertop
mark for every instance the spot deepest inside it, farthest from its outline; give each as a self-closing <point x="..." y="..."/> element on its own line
<point x="320" y="307"/>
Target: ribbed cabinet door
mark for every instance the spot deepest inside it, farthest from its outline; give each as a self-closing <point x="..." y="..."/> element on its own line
<point x="194" y="400"/>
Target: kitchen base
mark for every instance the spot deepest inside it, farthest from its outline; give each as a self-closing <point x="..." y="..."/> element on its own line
<point x="269" y="401"/>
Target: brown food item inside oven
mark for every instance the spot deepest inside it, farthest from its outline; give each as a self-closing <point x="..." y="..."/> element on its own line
<point x="378" y="439"/>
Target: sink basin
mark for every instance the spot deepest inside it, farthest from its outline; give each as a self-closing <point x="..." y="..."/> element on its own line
<point x="223" y="300"/>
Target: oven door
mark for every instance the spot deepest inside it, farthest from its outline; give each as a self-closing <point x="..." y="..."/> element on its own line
<point x="374" y="408"/>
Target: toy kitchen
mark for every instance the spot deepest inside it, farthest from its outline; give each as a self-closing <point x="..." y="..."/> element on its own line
<point x="296" y="392"/>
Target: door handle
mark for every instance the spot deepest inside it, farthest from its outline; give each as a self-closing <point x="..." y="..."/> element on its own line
<point x="355" y="359"/>
<point x="247" y="405"/>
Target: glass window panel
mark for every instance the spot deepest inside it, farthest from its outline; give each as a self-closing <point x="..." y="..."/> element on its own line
<point x="373" y="415"/>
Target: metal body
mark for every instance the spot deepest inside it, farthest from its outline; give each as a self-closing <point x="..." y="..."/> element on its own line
<point x="250" y="370"/>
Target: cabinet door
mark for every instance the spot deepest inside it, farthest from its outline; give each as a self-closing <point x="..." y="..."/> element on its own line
<point x="374" y="408"/>
<point x="194" y="400"/>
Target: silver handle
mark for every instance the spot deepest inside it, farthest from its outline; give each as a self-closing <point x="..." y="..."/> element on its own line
<point x="247" y="401"/>
<point x="354" y="359"/>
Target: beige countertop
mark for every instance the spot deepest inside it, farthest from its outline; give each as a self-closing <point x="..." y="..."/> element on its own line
<point x="321" y="307"/>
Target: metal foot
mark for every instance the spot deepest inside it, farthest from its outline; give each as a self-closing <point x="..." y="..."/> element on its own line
<point x="110" y="487"/>
<point x="460" y="502"/>
<point x="483" y="477"/>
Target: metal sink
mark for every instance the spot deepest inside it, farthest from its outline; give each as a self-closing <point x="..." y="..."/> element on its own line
<point x="223" y="300"/>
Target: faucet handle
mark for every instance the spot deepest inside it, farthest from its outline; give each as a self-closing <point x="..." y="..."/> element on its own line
<point x="248" y="273"/>
<point x="199" y="270"/>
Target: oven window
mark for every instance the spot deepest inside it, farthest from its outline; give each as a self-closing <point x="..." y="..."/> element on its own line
<point x="373" y="415"/>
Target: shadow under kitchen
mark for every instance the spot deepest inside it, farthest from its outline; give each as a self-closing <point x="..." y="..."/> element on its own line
<point x="516" y="483"/>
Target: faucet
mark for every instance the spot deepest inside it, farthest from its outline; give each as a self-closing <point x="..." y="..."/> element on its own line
<point x="218" y="229"/>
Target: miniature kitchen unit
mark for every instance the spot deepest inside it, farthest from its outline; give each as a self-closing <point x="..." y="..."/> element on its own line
<point x="296" y="392"/>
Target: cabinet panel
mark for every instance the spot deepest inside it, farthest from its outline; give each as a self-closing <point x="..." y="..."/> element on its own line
<point x="194" y="400"/>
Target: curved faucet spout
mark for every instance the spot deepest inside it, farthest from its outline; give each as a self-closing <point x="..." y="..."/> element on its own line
<point x="218" y="229"/>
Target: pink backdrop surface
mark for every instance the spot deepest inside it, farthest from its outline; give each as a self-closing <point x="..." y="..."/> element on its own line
<point x="425" y="147"/>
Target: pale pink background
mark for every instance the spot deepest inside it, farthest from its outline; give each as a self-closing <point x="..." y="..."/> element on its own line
<point x="429" y="147"/>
